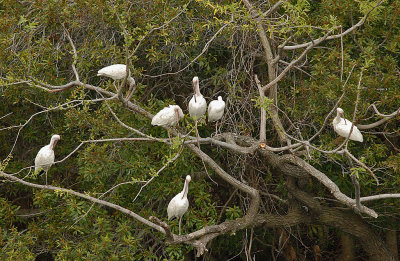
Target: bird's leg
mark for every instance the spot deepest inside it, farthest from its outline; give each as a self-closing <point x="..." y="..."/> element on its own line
<point x="115" y="86"/>
<point x="169" y="137"/>
<point x="216" y="127"/>
<point x="197" y="135"/>
<point x="180" y="219"/>
<point x="46" y="177"/>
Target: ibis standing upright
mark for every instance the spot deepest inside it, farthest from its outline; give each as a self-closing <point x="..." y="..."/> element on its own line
<point x="342" y="127"/>
<point x="216" y="111"/>
<point x="179" y="204"/>
<point x="45" y="157"/>
<point x="197" y="105"/>
<point x="118" y="72"/>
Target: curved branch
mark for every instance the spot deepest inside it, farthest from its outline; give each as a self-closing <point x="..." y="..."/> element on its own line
<point x="328" y="183"/>
<point x="319" y="40"/>
<point x="87" y="197"/>
<point x="386" y="117"/>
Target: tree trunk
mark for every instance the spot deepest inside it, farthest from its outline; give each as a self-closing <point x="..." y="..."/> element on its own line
<point x="391" y="242"/>
<point x="353" y="224"/>
<point x="288" y="251"/>
<point x="347" y="248"/>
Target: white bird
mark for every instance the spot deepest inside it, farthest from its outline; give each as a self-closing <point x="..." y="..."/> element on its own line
<point x="45" y="157"/>
<point x="216" y="111"/>
<point x="197" y="105"/>
<point x="117" y="72"/>
<point x="342" y="127"/>
<point x="179" y="204"/>
<point x="169" y="116"/>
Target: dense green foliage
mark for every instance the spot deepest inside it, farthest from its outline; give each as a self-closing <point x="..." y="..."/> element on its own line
<point x="166" y="43"/>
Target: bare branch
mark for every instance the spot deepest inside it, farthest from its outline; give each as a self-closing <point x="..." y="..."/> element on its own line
<point x="293" y="62"/>
<point x="205" y="48"/>
<point x="319" y="40"/>
<point x="386" y="117"/>
<point x="381" y="196"/>
<point x="263" y="121"/>
<point x="334" y="189"/>
<point x="84" y="196"/>
<point x="75" y="55"/>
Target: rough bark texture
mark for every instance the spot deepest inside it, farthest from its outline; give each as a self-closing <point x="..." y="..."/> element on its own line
<point x="347" y="248"/>
<point x="391" y="241"/>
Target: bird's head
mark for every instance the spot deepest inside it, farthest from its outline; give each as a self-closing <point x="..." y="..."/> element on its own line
<point x="196" y="86"/>
<point x="178" y="112"/>
<point x="54" y="139"/>
<point x="188" y="179"/>
<point x="195" y="81"/>
<point x="340" y="111"/>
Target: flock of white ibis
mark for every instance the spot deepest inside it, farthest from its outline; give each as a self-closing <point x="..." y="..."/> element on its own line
<point x="170" y="116"/>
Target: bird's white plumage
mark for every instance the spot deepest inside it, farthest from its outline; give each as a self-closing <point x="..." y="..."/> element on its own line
<point x="45" y="157"/>
<point x="342" y="127"/>
<point x="168" y="116"/>
<point x="179" y="204"/>
<point x="197" y="105"/>
<point x="216" y="109"/>
<point x="115" y="72"/>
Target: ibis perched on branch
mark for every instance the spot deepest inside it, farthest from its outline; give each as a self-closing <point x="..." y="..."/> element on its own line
<point x="179" y="204"/>
<point x="45" y="157"/>
<point x="118" y="72"/>
<point x="169" y="116"/>
<point x="342" y="127"/>
<point x="197" y="105"/>
<point x="216" y="111"/>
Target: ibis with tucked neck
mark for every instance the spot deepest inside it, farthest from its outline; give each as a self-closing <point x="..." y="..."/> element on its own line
<point x="45" y="157"/>
<point x="342" y="127"/>
<point x="216" y="111"/>
<point x="168" y="116"/>
<point x="118" y="72"/>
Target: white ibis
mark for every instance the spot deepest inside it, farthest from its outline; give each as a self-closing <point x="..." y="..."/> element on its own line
<point x="117" y="72"/>
<point x="45" y="157"/>
<point x="179" y="204"/>
<point x="169" y="116"/>
<point x="342" y="127"/>
<point x="216" y="111"/>
<point x="197" y="105"/>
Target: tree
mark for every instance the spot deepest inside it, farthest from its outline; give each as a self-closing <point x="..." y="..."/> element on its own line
<point x="277" y="168"/>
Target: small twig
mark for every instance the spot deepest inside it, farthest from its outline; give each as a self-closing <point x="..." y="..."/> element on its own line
<point x="158" y="172"/>
<point x="205" y="48"/>
<point x="351" y="29"/>
<point x="75" y="54"/>
<point x="263" y="113"/>
<point x="362" y="165"/>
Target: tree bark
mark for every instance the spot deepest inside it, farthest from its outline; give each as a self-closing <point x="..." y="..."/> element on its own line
<point x="391" y="241"/>
<point x="347" y="248"/>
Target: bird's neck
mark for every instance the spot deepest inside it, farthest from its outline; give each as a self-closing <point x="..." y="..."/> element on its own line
<point x="197" y="90"/>
<point x="185" y="190"/>
<point x="130" y="80"/>
<point x="337" y="119"/>
<point x="52" y="144"/>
